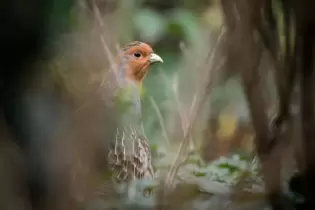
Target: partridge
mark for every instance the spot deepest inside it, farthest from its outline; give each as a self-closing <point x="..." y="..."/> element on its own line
<point x="129" y="154"/>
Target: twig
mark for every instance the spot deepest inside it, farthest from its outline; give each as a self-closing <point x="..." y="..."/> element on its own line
<point x="108" y="53"/>
<point x="195" y="110"/>
<point x="159" y="115"/>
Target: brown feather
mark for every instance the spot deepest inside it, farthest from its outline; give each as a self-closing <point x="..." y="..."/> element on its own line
<point x="131" y="44"/>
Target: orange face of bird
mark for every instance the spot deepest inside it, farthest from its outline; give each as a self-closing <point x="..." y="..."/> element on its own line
<point x="139" y="57"/>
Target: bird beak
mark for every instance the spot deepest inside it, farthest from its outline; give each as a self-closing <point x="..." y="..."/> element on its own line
<point x="154" y="58"/>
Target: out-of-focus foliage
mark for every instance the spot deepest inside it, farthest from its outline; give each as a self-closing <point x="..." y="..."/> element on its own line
<point x="172" y="29"/>
<point x="182" y="32"/>
<point x="168" y="30"/>
<point x="220" y="145"/>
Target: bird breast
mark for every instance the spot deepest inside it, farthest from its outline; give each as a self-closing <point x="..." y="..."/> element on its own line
<point x="130" y="155"/>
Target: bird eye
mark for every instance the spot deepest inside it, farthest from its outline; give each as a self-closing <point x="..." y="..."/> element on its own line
<point x="137" y="54"/>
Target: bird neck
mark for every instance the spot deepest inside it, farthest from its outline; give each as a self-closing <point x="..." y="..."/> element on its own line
<point x="140" y="73"/>
<point x="137" y="76"/>
<point x="138" y="85"/>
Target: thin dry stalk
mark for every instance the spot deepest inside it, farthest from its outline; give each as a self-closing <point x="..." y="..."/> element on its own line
<point x="108" y="53"/>
<point x="195" y="109"/>
<point x="160" y="117"/>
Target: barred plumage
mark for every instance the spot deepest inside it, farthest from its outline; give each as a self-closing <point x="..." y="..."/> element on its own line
<point x="130" y="156"/>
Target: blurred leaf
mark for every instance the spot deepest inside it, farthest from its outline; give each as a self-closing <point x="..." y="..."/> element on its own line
<point x="213" y="16"/>
<point x="227" y="125"/>
<point x="60" y="14"/>
<point x="150" y="24"/>
<point x="199" y="174"/>
<point x="188" y="24"/>
<point x="231" y="168"/>
<point x="196" y="160"/>
<point x="175" y="29"/>
<point x="154" y="148"/>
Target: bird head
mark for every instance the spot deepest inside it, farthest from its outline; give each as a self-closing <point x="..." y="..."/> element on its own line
<point x="137" y="57"/>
